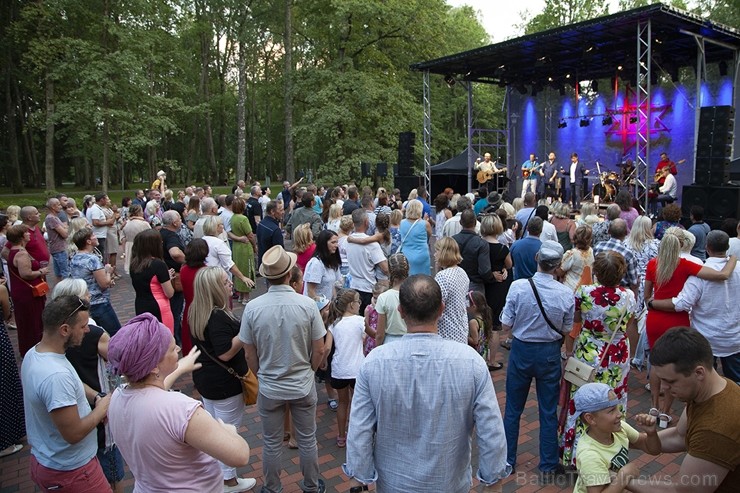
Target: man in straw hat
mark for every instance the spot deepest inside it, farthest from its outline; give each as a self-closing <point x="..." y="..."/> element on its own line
<point x="283" y="336"/>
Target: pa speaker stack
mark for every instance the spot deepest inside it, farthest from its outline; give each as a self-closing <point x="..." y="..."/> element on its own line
<point x="714" y="145"/>
<point x="404" y="178"/>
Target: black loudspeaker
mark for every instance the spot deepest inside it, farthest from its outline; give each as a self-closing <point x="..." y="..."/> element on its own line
<point x="406" y="144"/>
<point x="405" y="184"/>
<point x="381" y="170"/>
<point x="365" y="169"/>
<point x="714" y="145"/>
<point x="719" y="202"/>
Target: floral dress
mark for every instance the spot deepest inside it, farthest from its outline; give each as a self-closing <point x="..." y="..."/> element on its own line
<point x="372" y="321"/>
<point x="601" y="308"/>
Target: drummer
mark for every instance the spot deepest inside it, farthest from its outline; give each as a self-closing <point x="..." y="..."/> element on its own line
<point x="628" y="169"/>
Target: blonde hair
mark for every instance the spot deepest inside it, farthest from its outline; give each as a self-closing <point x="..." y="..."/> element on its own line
<point x="587" y="209"/>
<point x="448" y="252"/>
<point x="491" y="225"/>
<point x="517" y="204"/>
<point x="413" y="194"/>
<point x="414" y="209"/>
<point x="168" y="195"/>
<point x="75" y="225"/>
<point x="210" y="225"/>
<point x="302" y="238"/>
<point x="641" y="233"/>
<point x="561" y="210"/>
<point x="685" y="238"/>
<point x="152" y="207"/>
<point x="346" y="225"/>
<point x="669" y="255"/>
<point x="211" y="296"/>
<point x="396" y="217"/>
<point x="510" y="212"/>
<point x="335" y="212"/>
<point x="13" y="211"/>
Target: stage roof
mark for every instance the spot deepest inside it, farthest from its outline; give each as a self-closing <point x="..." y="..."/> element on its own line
<point x="591" y="49"/>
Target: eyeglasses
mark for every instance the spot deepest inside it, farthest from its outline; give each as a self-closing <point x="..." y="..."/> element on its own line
<point x="79" y="307"/>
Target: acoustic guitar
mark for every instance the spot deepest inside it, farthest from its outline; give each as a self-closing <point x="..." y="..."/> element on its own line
<point x="485" y="176"/>
<point x="659" y="174"/>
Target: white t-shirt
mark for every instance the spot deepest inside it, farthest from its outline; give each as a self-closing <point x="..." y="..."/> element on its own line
<point x="348" y="356"/>
<point x="548" y="231"/>
<point x="734" y="247"/>
<point x="316" y="272"/>
<point x="96" y="213"/>
<point x="362" y="261"/>
<point x="219" y="254"/>
<point x="226" y="216"/>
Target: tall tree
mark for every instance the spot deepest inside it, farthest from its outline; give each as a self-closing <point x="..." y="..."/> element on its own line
<point x="288" y="98"/>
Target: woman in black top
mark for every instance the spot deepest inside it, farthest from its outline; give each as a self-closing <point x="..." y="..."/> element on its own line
<point x="151" y="279"/>
<point x="498" y="287"/>
<point x="215" y="330"/>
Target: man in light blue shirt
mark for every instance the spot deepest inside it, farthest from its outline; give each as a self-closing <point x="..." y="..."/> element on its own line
<point x="399" y="412"/>
<point x="535" y="352"/>
<point x="59" y="419"/>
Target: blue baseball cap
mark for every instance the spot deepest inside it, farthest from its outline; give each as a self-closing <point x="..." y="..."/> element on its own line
<point x="593" y="397"/>
<point x="322" y="302"/>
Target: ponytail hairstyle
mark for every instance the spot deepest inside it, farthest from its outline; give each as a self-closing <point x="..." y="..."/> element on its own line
<point x="380" y="287"/>
<point x="478" y="301"/>
<point x="340" y="305"/>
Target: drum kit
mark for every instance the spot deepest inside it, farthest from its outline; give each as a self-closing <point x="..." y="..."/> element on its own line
<point x="607" y="186"/>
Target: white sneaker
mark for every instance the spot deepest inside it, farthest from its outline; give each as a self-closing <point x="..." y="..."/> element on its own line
<point x="242" y="484"/>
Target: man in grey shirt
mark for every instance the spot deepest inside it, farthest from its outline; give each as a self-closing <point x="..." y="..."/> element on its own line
<point x="283" y="337"/>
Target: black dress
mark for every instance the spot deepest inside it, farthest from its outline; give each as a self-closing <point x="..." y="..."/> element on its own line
<point x="12" y="418"/>
<point x="149" y="294"/>
<point x="496" y="291"/>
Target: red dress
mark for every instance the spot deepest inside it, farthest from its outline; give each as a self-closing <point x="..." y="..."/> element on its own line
<point x="187" y="278"/>
<point x="658" y="322"/>
<point x="28" y="308"/>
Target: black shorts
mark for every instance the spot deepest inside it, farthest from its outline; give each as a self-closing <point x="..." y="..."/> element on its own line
<point x="339" y="383"/>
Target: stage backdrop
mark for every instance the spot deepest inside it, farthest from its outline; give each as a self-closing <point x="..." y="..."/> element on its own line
<point x="672" y="128"/>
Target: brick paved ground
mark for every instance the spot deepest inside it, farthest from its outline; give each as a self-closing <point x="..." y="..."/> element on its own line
<point x="14" y="476"/>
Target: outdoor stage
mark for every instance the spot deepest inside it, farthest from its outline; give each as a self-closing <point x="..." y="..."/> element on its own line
<point x="631" y="85"/>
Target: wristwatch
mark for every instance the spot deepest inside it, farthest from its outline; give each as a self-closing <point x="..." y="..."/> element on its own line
<point x="358" y="489"/>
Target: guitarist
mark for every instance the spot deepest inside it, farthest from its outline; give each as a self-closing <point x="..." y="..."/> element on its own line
<point x="486" y="171"/>
<point x="530" y="170"/>
<point x="664" y="162"/>
<point x="668" y="188"/>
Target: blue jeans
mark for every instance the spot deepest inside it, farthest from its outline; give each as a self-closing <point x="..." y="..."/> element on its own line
<point x="177" y="303"/>
<point x="730" y="367"/>
<point x="541" y="361"/>
<point x="61" y="264"/>
<point x="105" y="317"/>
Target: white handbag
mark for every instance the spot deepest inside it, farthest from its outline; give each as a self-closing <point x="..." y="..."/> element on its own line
<point x="579" y="372"/>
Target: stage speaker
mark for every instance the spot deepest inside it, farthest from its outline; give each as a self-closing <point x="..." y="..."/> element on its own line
<point x="365" y="169"/>
<point x="381" y="170"/>
<point x="714" y="144"/>
<point x="405" y="184"/>
<point x="719" y="202"/>
<point x="406" y="143"/>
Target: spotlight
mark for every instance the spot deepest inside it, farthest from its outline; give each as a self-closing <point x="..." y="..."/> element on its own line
<point x="450" y="80"/>
<point x="619" y="67"/>
<point x="585" y="122"/>
<point x="607" y="120"/>
<point x="633" y="119"/>
<point x="562" y="123"/>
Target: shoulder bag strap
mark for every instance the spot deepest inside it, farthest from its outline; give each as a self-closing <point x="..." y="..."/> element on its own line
<point x="219" y="363"/>
<point x="524" y="228"/>
<point x="403" y="240"/>
<point x="542" y="309"/>
<point x="611" y="339"/>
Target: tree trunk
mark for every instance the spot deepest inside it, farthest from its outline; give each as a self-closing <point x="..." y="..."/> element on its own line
<point x="241" y="118"/>
<point x="288" y="93"/>
<point x="28" y="132"/>
<point x="16" y="182"/>
<point x="106" y="158"/>
<point x="49" y="158"/>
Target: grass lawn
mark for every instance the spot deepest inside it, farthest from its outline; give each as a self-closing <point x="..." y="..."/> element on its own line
<point x="37" y="197"/>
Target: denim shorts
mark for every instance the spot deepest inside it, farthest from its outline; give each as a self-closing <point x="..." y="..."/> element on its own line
<point x="112" y="463"/>
<point x="60" y="264"/>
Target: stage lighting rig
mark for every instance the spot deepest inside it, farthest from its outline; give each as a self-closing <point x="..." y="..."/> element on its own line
<point x="585" y="122"/>
<point x="607" y="120"/>
<point x="562" y="123"/>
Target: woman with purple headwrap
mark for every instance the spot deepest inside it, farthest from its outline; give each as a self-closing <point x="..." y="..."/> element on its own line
<point x="168" y="440"/>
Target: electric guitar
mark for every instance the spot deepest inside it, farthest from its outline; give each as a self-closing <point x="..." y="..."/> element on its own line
<point x="529" y="171"/>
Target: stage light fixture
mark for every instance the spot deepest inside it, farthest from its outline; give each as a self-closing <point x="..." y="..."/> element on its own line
<point x="585" y="122"/>
<point x="450" y="80"/>
<point x="723" y="68"/>
<point x="633" y="119"/>
<point x="619" y="67"/>
<point x="562" y="123"/>
<point x="607" y="120"/>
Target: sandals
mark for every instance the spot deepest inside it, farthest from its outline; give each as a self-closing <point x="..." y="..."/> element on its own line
<point x="11" y="450"/>
<point x="506" y="344"/>
<point x="495" y="366"/>
<point x="342" y="441"/>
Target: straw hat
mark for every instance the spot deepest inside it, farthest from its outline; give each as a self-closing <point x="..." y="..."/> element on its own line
<point x="276" y="262"/>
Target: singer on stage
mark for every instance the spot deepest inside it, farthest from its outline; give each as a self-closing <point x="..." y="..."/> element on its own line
<point x="575" y="176"/>
<point x="530" y="170"/>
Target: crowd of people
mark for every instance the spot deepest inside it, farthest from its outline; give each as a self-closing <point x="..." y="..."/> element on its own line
<point x="372" y="296"/>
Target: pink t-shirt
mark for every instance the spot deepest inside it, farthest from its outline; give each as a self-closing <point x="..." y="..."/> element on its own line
<point x="148" y="425"/>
